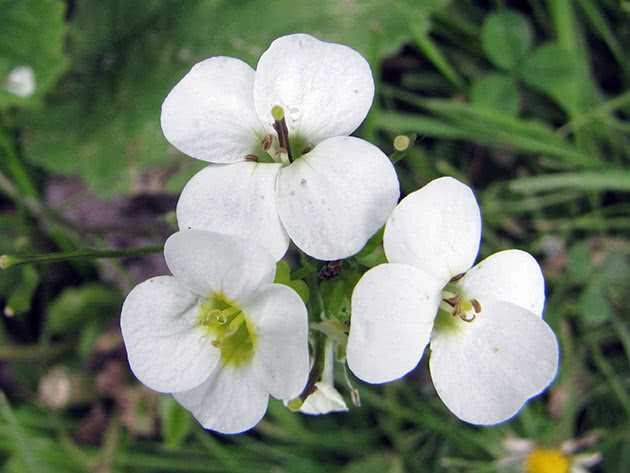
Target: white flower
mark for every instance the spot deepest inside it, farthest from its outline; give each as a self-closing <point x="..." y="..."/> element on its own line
<point x="490" y="349"/>
<point x="21" y="81"/>
<point x="218" y="334"/>
<point x="533" y="458"/>
<point x="325" y="398"/>
<point x="337" y="192"/>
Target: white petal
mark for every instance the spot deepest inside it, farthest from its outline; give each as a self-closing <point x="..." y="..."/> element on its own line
<point x="210" y="113"/>
<point x="281" y="355"/>
<point x="326" y="89"/>
<point x="393" y="307"/>
<point x="324" y="400"/>
<point x="485" y="371"/>
<point x="333" y="199"/>
<point x="511" y="276"/>
<point x="236" y="199"/>
<point x="211" y="262"/>
<point x="165" y="349"/>
<point x="230" y="401"/>
<point x="436" y="229"/>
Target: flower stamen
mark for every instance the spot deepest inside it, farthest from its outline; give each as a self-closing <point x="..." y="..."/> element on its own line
<point x="456" y="304"/>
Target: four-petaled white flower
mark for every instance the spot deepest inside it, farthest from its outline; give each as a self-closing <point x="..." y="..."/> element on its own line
<point x="490" y="349"/>
<point x="325" y="398"/>
<point x="337" y="191"/>
<point x="21" y="81"/>
<point x="218" y="334"/>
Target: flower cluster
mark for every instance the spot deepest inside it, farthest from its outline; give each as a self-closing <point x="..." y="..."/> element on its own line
<point x="221" y="336"/>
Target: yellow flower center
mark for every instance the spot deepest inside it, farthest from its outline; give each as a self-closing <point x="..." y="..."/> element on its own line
<point x="543" y="460"/>
<point x="230" y="329"/>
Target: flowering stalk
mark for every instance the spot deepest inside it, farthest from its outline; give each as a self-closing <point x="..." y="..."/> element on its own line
<point x="8" y="261"/>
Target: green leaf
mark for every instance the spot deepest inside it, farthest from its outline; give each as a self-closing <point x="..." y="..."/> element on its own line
<point x="580" y="262"/>
<point x="283" y="276"/>
<point x="20" y="298"/>
<point x="372" y="253"/>
<point x="31" y="35"/>
<point x="610" y="180"/>
<point x="376" y="463"/>
<point x="175" y="423"/>
<point x="506" y="37"/>
<point x="553" y="70"/>
<point x="496" y="91"/>
<point x="593" y="306"/>
<point x="78" y="306"/>
<point x="337" y="293"/>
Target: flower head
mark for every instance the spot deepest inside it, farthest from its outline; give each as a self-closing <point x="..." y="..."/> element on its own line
<point x="293" y="172"/>
<point x="533" y="458"/>
<point x="490" y="349"/>
<point x="218" y="334"/>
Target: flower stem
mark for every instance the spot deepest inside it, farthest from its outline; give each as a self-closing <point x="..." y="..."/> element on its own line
<point x="8" y="261"/>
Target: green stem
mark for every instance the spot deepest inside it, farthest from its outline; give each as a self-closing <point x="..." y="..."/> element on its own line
<point x="8" y="261"/>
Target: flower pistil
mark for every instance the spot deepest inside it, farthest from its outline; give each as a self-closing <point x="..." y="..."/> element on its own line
<point x="231" y="330"/>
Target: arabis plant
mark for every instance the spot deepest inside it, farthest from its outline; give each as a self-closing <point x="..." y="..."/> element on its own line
<point x="283" y="163"/>
<point x="490" y="350"/>
<point x="218" y="334"/>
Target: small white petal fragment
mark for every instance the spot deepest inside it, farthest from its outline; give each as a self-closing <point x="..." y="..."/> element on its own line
<point x="436" y="228"/>
<point x="211" y="262"/>
<point x="210" y="113"/>
<point x="334" y="198"/>
<point x="21" y="81"/>
<point x="511" y="276"/>
<point x="159" y="327"/>
<point x="324" y="400"/>
<point x="393" y="308"/>
<point x="325" y="89"/>
<point x="485" y="371"/>
<point x="281" y="357"/>
<point x="230" y="401"/>
<point x="236" y="199"/>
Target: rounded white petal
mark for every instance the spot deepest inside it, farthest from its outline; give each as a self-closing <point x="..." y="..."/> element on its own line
<point x="393" y="308"/>
<point x="334" y="198"/>
<point x="324" y="400"/>
<point x="485" y="371"/>
<point x="281" y="351"/>
<point x="166" y="350"/>
<point x="209" y="262"/>
<point x="436" y="228"/>
<point x="511" y="276"/>
<point x="235" y="199"/>
<point x="210" y="113"/>
<point x="230" y="401"/>
<point x="325" y="89"/>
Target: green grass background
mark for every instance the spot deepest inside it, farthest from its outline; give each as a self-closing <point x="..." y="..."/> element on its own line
<point x="528" y="102"/>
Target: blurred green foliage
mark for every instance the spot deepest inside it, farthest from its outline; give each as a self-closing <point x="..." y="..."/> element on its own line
<point x="529" y="102"/>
